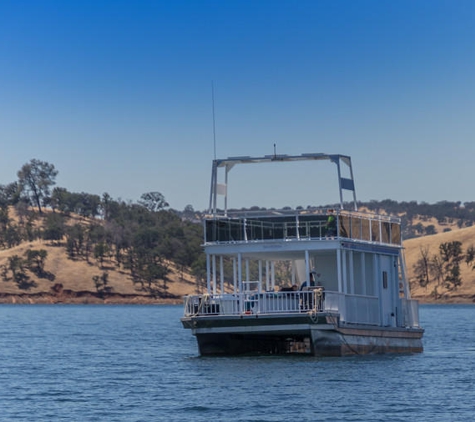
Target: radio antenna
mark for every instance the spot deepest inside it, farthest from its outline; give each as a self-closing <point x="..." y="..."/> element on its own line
<point x="214" y="125"/>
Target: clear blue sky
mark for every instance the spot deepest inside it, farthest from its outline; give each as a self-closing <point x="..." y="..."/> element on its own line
<point x="117" y="95"/>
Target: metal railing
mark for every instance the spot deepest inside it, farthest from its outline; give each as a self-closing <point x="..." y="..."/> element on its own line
<point x="410" y="308"/>
<point x="355" y="309"/>
<point x="254" y="303"/>
<point x="304" y="226"/>
<point x="351" y="308"/>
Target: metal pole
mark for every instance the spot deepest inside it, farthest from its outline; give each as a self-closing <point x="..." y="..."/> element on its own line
<point x="208" y="274"/>
<point x="221" y="274"/>
<point x="214" y="274"/>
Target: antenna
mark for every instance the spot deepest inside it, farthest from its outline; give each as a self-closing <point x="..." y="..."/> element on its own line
<point x="214" y="126"/>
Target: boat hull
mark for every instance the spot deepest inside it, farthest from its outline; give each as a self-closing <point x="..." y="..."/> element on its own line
<point x="363" y="341"/>
<point x="317" y="335"/>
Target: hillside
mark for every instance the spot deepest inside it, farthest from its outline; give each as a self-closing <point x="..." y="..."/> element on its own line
<point x="71" y="281"/>
<point x="464" y="293"/>
<point x="67" y="279"/>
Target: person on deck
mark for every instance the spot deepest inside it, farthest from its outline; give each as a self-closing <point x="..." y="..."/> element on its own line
<point x="305" y="285"/>
<point x="330" y="227"/>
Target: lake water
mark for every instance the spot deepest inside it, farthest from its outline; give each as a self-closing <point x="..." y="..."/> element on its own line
<point x="136" y="363"/>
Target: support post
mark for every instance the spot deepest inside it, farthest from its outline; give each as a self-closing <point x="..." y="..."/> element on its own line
<point x="338" y="267"/>
<point x="307" y="268"/>
<point x="363" y="273"/>
<point x="208" y="273"/>
<point x="352" y="275"/>
<point x="267" y="276"/>
<point x="272" y="268"/>
<point x="214" y="274"/>
<point x="241" y="302"/>
<point x="345" y="272"/>
<point x="234" y="276"/>
<point x="259" y="287"/>
<point x="221" y="274"/>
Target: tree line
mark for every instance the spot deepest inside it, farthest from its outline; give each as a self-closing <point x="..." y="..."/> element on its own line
<point x="445" y="212"/>
<point x="142" y="237"/>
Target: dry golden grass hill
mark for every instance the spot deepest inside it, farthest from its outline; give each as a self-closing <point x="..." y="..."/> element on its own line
<point x="466" y="292"/>
<point x="71" y="281"/>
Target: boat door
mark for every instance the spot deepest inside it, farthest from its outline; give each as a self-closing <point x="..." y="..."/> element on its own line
<point x="387" y="275"/>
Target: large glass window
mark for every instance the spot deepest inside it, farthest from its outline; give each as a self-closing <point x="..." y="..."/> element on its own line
<point x="395" y="234"/>
<point x="365" y="229"/>
<point x="375" y="231"/>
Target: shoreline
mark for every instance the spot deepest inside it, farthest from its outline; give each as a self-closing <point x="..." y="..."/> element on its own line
<point x="456" y="300"/>
<point x="85" y="297"/>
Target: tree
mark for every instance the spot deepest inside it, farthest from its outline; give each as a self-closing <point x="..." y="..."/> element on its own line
<point x="100" y="251"/>
<point x="189" y="212"/>
<point x="88" y="205"/>
<point x="54" y="228"/>
<point x="102" y="284"/>
<point x="9" y="194"/>
<point x="17" y="266"/>
<point x="60" y="200"/>
<point x="437" y="268"/>
<point x="36" y="259"/>
<point x="451" y="254"/>
<point x="11" y="236"/>
<point x="153" y="201"/>
<point x="75" y="239"/>
<point x="421" y="268"/>
<point x="470" y="256"/>
<point x="35" y="179"/>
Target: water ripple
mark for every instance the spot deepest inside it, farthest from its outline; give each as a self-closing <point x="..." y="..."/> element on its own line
<point x="136" y="363"/>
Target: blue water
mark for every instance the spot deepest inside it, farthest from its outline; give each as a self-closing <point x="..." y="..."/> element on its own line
<point x="136" y="363"/>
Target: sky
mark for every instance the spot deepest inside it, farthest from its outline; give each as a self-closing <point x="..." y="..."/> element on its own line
<point x="117" y="95"/>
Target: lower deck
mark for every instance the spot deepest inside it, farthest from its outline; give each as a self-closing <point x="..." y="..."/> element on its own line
<point x="350" y="308"/>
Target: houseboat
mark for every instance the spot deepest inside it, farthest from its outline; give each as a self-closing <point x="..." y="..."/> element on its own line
<point x="317" y="281"/>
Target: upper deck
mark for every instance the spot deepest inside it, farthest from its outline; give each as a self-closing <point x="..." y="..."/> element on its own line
<point x="240" y="227"/>
<point x="318" y="224"/>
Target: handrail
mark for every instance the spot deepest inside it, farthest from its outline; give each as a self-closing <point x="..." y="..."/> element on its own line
<point x="351" y="308"/>
<point x="348" y="225"/>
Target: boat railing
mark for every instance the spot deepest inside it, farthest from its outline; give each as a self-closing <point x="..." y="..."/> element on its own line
<point x="354" y="309"/>
<point x="334" y="224"/>
<point x="410" y="312"/>
<point x="254" y="303"/>
<point x="250" y="286"/>
<point x="351" y="308"/>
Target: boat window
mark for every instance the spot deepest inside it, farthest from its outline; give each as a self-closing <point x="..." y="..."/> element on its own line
<point x="345" y="226"/>
<point x="365" y="229"/>
<point x="395" y="234"/>
<point x="385" y="279"/>
<point x="375" y="231"/>
<point x="356" y="229"/>
<point x="385" y="232"/>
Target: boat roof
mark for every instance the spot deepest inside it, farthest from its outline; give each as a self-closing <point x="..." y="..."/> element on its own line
<point x="231" y="161"/>
<point x="217" y="189"/>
